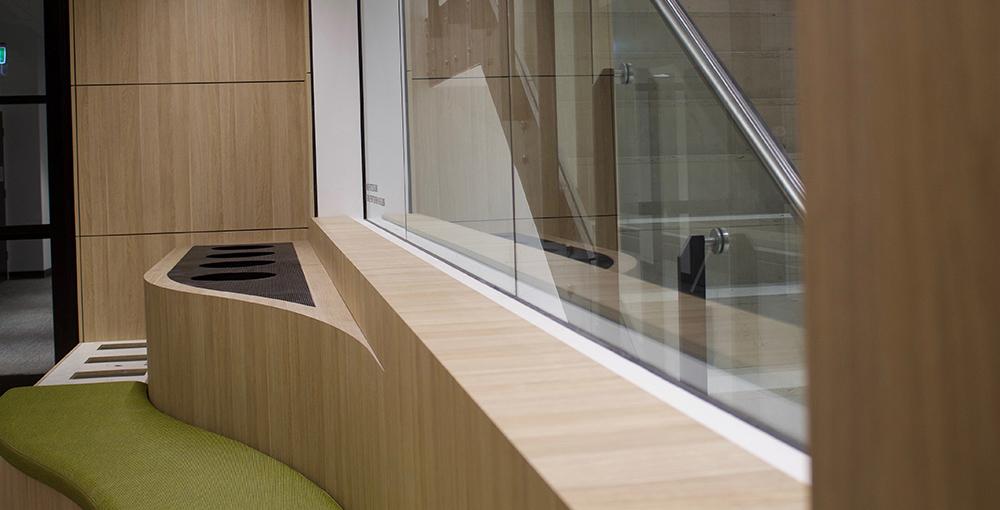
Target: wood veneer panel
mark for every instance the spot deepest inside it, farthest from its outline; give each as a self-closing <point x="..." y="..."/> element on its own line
<point x="111" y="269"/>
<point x="289" y="381"/>
<point x="21" y="492"/>
<point x="296" y="382"/>
<point x="177" y="158"/>
<point x="901" y="163"/>
<point x="172" y="41"/>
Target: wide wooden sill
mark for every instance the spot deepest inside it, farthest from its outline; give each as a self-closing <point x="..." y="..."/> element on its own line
<point x="595" y="440"/>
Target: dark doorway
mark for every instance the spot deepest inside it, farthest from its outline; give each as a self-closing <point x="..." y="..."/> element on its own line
<point x="3" y="207"/>
<point x="38" y="300"/>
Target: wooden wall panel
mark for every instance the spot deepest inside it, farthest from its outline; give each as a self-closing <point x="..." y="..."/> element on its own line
<point x="112" y="269"/>
<point x="174" y="41"/>
<point x="177" y="158"/>
<point x="190" y="116"/>
<point x="902" y="166"/>
<point x="296" y="382"/>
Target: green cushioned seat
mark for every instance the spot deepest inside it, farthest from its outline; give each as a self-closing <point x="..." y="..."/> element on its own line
<point x="106" y="447"/>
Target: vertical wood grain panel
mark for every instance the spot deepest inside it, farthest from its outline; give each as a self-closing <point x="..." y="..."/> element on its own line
<point x="111" y="275"/>
<point x="288" y="380"/>
<point x="168" y="144"/>
<point x="175" y="158"/>
<point x="899" y="132"/>
<point x="20" y="491"/>
<point x="172" y="41"/>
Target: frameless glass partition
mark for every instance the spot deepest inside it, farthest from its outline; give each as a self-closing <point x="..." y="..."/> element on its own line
<point x="582" y="157"/>
<point x="447" y="197"/>
<point x="384" y="120"/>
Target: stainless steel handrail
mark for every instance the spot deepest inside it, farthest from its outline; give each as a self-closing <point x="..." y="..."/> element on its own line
<point x="774" y="158"/>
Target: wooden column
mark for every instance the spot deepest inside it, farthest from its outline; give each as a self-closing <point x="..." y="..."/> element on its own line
<point x="901" y="120"/>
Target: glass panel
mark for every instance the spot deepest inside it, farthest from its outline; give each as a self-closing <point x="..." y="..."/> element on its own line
<point x="26" y="338"/>
<point x="460" y="136"/>
<point x="385" y="124"/>
<point x="24" y="172"/>
<point x="619" y="175"/>
<point x="756" y="353"/>
<point x="583" y="170"/>
<point x="564" y="134"/>
<point x="22" y="48"/>
<point x="756" y="43"/>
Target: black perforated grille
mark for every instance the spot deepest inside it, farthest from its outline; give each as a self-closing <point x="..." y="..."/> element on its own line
<point x="264" y="270"/>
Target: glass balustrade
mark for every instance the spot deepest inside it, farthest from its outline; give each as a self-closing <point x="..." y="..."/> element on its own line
<point x="583" y="157"/>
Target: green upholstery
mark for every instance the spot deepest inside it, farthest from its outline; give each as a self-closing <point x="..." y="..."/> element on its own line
<point x="106" y="447"/>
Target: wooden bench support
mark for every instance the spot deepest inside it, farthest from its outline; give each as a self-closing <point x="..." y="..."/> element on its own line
<point x="20" y="491"/>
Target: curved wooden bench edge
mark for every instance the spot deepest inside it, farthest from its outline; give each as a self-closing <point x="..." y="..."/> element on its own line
<point x="330" y="308"/>
<point x="23" y="492"/>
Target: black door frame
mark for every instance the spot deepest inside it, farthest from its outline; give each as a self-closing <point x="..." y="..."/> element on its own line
<point x="3" y="203"/>
<point x="61" y="229"/>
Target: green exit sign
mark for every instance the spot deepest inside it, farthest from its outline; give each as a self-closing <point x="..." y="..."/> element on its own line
<point x="3" y="55"/>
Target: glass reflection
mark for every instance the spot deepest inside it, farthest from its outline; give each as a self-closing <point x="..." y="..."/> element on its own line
<point x="571" y="154"/>
<point x="24" y="168"/>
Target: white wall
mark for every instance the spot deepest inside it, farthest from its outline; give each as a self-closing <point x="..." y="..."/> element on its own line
<point x="337" y="103"/>
<point x="385" y="133"/>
